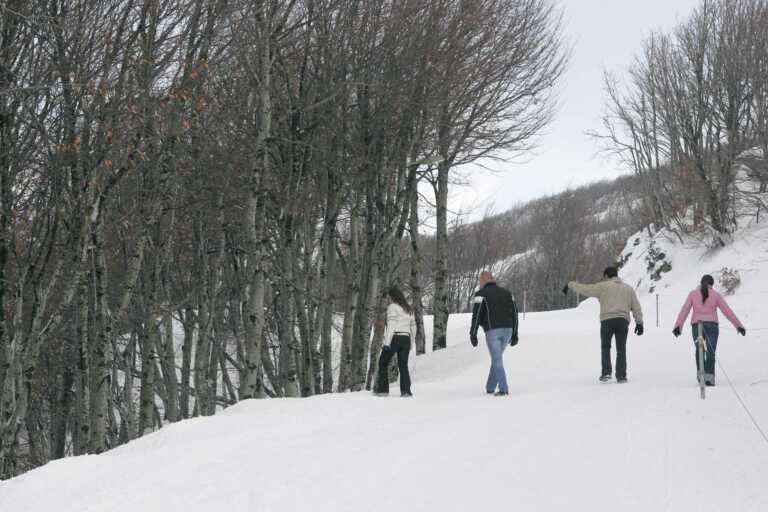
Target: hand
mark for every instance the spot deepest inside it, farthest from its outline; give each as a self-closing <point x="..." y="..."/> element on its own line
<point x="513" y="341"/>
<point x="676" y="332"/>
<point x="639" y="329"/>
<point x="565" y="290"/>
<point x="473" y="340"/>
<point x="742" y="331"/>
<point x="386" y="348"/>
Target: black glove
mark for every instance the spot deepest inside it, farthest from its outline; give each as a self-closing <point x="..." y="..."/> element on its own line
<point x="639" y="329"/>
<point x="676" y="332"/>
<point x="513" y="341"/>
<point x="742" y="331"/>
<point x="473" y="340"/>
<point x="565" y="290"/>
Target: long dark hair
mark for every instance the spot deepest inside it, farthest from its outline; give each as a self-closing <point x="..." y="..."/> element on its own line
<point x="398" y="298"/>
<point x="706" y="281"/>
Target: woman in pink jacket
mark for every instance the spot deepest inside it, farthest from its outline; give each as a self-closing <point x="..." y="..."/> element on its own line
<point x="704" y="301"/>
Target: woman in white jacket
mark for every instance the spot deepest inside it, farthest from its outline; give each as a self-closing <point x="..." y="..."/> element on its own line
<point x="399" y="332"/>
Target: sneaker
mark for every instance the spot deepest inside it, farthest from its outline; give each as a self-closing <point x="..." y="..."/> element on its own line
<point x="605" y="378"/>
<point x="500" y="393"/>
<point x="621" y="380"/>
<point x="406" y="395"/>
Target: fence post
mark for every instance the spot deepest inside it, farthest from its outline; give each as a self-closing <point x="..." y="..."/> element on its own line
<point x="657" y="310"/>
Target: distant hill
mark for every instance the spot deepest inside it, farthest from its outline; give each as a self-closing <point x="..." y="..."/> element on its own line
<point x="535" y="247"/>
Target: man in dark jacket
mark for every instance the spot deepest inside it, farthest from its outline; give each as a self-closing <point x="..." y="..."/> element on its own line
<point x="494" y="309"/>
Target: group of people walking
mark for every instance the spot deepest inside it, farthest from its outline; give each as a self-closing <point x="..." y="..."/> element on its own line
<point x="494" y="310"/>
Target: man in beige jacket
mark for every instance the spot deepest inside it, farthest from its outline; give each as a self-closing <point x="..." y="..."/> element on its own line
<point x="617" y="300"/>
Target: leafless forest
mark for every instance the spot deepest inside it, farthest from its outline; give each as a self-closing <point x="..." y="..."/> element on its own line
<point x="239" y="175"/>
<point x="534" y="248"/>
<point x="691" y="119"/>
<point x="202" y="201"/>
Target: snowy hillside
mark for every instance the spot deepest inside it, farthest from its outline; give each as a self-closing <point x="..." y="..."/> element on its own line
<point x="560" y="441"/>
<point x="662" y="266"/>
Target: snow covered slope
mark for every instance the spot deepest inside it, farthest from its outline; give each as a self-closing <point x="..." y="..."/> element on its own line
<point x="560" y="441"/>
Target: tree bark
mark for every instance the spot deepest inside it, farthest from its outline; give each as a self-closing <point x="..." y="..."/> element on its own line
<point x="441" y="304"/>
<point x="416" y="269"/>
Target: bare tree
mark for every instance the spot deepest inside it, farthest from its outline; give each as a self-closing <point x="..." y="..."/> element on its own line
<point x="689" y="111"/>
<point x="488" y="103"/>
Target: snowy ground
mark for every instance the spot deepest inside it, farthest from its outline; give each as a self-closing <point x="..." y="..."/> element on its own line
<point x="560" y="441"/>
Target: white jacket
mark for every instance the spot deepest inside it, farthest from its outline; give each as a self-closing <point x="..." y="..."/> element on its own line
<point x="398" y="321"/>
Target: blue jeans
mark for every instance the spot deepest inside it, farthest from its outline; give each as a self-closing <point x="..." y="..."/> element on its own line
<point x="497" y="340"/>
<point x="711" y="333"/>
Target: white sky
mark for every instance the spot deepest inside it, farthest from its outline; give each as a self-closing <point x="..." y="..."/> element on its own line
<point x="605" y="35"/>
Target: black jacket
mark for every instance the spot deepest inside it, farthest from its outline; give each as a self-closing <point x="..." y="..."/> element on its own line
<point x="494" y="308"/>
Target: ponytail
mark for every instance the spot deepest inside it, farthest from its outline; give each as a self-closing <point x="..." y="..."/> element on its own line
<point x="706" y="281"/>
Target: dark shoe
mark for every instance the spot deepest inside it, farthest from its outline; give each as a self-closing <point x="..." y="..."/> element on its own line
<point x="711" y="384"/>
<point x="489" y="392"/>
<point x="406" y="395"/>
<point x="605" y="378"/>
<point x="621" y="380"/>
<point x="379" y="393"/>
<point x="500" y="393"/>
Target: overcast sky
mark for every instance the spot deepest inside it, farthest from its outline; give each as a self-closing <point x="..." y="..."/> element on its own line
<point x="605" y="35"/>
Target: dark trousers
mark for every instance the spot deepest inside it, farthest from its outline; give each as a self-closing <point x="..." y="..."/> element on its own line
<point x="400" y="345"/>
<point x="711" y="333"/>
<point x="618" y="327"/>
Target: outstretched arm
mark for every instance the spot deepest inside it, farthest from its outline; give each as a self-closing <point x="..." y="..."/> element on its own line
<point x="687" y="305"/>
<point x="588" y="290"/>
<point x="728" y="312"/>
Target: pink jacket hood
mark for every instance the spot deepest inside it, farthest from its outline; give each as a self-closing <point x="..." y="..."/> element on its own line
<point x="706" y="311"/>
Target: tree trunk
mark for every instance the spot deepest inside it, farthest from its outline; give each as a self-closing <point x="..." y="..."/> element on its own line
<point x="100" y="383"/>
<point x="441" y="301"/>
<point x="188" y="321"/>
<point x="168" y="362"/>
<point x="147" y="341"/>
<point x="328" y="305"/>
<point x="365" y="313"/>
<point x="380" y="316"/>
<point x="352" y="292"/>
<point x="64" y="400"/>
<point x="81" y="434"/>
<point x="287" y="361"/>
<point x="128" y="414"/>
<point x="304" y="319"/>
<point x="416" y="268"/>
